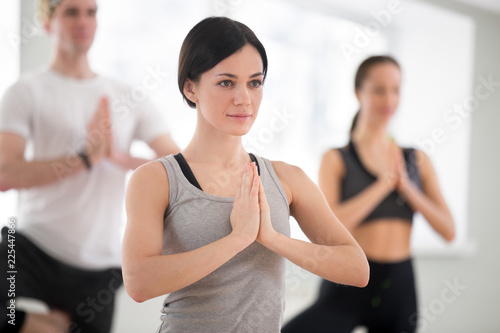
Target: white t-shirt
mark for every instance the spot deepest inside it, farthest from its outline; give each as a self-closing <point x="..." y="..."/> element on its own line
<point x="77" y="220"/>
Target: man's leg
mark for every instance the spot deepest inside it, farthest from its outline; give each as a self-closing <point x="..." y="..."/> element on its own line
<point x="16" y="254"/>
<point x="93" y="303"/>
<point x="55" y="321"/>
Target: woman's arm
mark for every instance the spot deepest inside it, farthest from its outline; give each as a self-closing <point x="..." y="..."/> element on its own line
<point x="354" y="210"/>
<point x="430" y="202"/>
<point x="333" y="253"/>
<point x="147" y="273"/>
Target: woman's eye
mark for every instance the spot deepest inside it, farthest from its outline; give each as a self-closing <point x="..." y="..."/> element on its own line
<point x="225" y="83"/>
<point x="256" y="83"/>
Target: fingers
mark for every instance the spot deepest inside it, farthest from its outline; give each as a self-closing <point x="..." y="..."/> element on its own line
<point x="106" y="117"/>
<point x="254" y="192"/>
<point x="105" y="125"/>
<point x="395" y="158"/>
<point x="239" y="191"/>
<point x="262" y="197"/>
<point x="243" y="187"/>
<point x="248" y="186"/>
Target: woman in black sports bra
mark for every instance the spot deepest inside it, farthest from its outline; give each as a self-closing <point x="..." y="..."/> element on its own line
<point x="374" y="187"/>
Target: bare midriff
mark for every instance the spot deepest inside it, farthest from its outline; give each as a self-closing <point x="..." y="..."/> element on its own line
<point x="384" y="240"/>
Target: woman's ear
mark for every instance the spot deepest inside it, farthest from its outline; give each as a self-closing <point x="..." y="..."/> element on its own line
<point x="356" y="92"/>
<point x="190" y="91"/>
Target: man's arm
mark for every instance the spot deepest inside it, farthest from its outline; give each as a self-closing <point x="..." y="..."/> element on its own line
<point x="16" y="172"/>
<point x="162" y="145"/>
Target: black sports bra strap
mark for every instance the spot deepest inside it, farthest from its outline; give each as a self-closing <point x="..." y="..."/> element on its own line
<point x="186" y="170"/>
<point x="254" y="159"/>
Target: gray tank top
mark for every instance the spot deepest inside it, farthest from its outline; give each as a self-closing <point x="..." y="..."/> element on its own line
<point x="247" y="293"/>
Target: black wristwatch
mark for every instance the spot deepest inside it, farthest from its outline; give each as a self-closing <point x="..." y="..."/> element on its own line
<point x="85" y="158"/>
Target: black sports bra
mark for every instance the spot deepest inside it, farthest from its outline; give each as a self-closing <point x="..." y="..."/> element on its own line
<point x="357" y="178"/>
<point x="186" y="170"/>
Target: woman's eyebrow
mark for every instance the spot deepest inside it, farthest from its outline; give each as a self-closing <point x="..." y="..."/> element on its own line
<point x="235" y="76"/>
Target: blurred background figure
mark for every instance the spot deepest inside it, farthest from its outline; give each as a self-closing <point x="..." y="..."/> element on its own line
<point x="76" y="129"/>
<point x="374" y="186"/>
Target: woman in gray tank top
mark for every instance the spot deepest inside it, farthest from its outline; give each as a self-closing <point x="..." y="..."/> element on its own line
<point x="208" y="227"/>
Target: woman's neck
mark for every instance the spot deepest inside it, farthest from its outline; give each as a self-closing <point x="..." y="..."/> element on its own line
<point x="372" y="135"/>
<point x="209" y="145"/>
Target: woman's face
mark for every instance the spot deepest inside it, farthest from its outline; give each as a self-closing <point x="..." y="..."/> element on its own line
<point x="228" y="96"/>
<point x="379" y="93"/>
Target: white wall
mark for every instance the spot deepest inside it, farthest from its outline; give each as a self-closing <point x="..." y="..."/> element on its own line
<point x="476" y="308"/>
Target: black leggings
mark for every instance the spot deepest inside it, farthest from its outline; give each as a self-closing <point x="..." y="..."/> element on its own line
<point x="387" y="304"/>
<point x="87" y="296"/>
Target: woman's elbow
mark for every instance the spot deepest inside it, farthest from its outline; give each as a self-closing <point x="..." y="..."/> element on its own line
<point x="449" y="233"/>
<point x="136" y="282"/>
<point x="363" y="274"/>
<point x="450" y="236"/>
<point x="358" y="269"/>
<point x="136" y="290"/>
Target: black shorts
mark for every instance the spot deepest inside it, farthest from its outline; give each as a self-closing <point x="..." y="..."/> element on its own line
<point x="387" y="304"/>
<point x="88" y="296"/>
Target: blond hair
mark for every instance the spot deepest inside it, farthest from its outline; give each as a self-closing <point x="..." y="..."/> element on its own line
<point x="46" y="9"/>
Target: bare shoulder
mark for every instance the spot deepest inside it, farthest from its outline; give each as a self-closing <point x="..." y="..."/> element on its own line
<point x="153" y="170"/>
<point x="332" y="161"/>
<point x="290" y="176"/>
<point x="423" y="162"/>
<point x="286" y="170"/>
<point x="149" y="180"/>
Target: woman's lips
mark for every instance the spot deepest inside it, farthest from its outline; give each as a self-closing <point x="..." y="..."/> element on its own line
<point x="240" y="117"/>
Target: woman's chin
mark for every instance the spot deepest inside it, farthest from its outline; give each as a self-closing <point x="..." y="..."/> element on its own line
<point x="239" y="130"/>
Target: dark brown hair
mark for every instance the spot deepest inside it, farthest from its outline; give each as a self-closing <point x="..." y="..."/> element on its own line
<point x="208" y="43"/>
<point x="362" y="74"/>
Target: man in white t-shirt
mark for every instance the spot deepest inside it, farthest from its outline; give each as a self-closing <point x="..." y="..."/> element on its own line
<point x="65" y="134"/>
